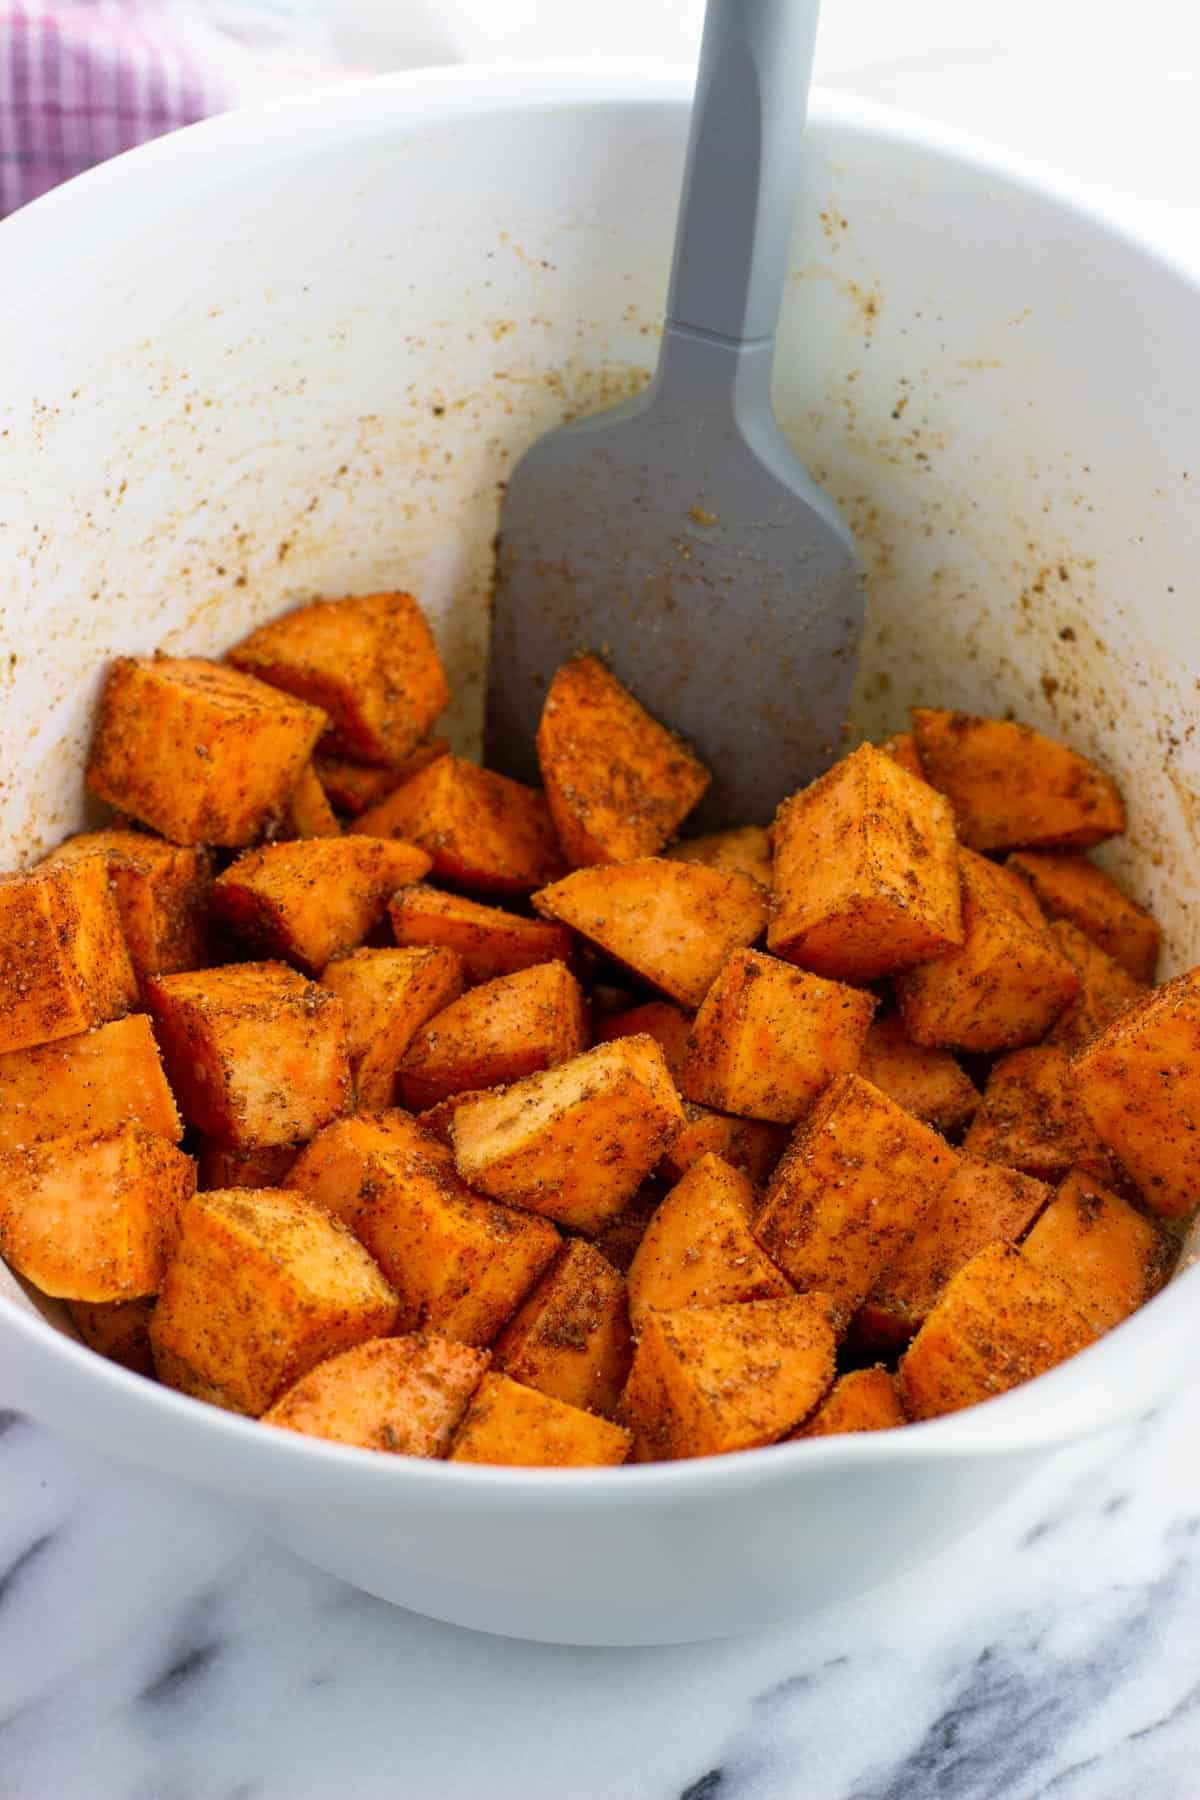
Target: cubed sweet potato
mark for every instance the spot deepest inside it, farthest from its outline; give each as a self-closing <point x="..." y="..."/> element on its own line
<point x="672" y="923"/>
<point x="1071" y="887"/>
<point x="508" y="1423"/>
<point x="667" y="1024"/>
<point x="487" y="940"/>
<point x="1139" y="1084"/>
<point x="998" y="1323"/>
<point x="902" y="748"/>
<point x="93" y="1216"/>
<point x="263" y="1286"/>
<point x="853" y="1187"/>
<point x="1012" y="788"/>
<point x="769" y="1037"/>
<point x="982" y="1203"/>
<point x="221" y="1166"/>
<point x="332" y="1170"/>
<point x="369" y="663"/>
<point x="255" y="1053"/>
<point x="699" y="1250"/>
<point x="571" y="1337"/>
<point x="63" y="961"/>
<point x="866" y="872"/>
<point x="388" y="995"/>
<point x="117" y="1329"/>
<point x="482" y="830"/>
<point x="307" y="901"/>
<point x="618" y="783"/>
<point x="496" y="1033"/>
<point x="1031" y="1119"/>
<point x="619" y="1239"/>
<point x="161" y="892"/>
<point x="438" y="1120"/>
<point x="403" y="1394"/>
<point x="929" y="1083"/>
<point x="863" y="1400"/>
<point x="577" y="1141"/>
<point x="1005" y="984"/>
<point x="201" y="753"/>
<point x="746" y="850"/>
<point x="1109" y="1257"/>
<point x="308" y="813"/>
<point x="106" y="1077"/>
<point x="1106" y="988"/>
<point x="352" y="787"/>
<point x="708" y="1379"/>
<point x="751" y="1145"/>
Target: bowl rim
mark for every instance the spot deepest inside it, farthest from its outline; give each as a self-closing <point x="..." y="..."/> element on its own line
<point x="224" y="1450"/>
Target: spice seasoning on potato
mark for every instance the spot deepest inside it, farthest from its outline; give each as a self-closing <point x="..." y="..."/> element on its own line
<point x="1031" y="1119"/>
<point x="508" y="1423"/>
<point x="109" y="1076"/>
<point x="666" y="1023"/>
<point x="352" y="787"/>
<point x="118" y="1330"/>
<point x="401" y="1394"/>
<point x="863" y="1400"/>
<point x="388" y="995"/>
<point x="332" y="1169"/>
<point x="699" y="1249"/>
<point x="496" y="1033"/>
<point x="753" y="1146"/>
<point x="927" y="1082"/>
<point x="487" y="940"/>
<point x="161" y="892"/>
<point x="1070" y="887"/>
<point x="308" y="813"/>
<point x="63" y="962"/>
<point x="570" y="1338"/>
<point x="1106" y="988"/>
<point x="483" y="831"/>
<point x="1110" y="1258"/>
<point x="744" y="851"/>
<point x="221" y="1166"/>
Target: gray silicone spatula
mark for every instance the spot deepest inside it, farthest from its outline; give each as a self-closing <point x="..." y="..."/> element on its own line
<point x="679" y="537"/>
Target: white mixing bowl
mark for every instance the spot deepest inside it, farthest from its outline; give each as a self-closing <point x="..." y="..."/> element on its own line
<point x="293" y="353"/>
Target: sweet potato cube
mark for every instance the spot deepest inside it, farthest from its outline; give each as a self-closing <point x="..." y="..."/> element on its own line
<point x="263" y="1287"/>
<point x="487" y="940"/>
<point x="982" y="1203"/>
<point x="998" y="1323"/>
<point x="63" y="961"/>
<point x="352" y="787"/>
<point x="618" y="783"/>
<point x="201" y="753"/>
<point x="1106" y="988"/>
<point x="1005" y="984"/>
<point x="161" y="892"/>
<point x="1109" y="1257"/>
<point x="309" y="814"/>
<point x="619" y="1239"/>
<point x="307" y="901"/>
<point x="117" y="1329"/>
<point x="708" y="1379"/>
<point x="672" y="923"/>
<point x="746" y="850"/>
<point x="221" y="1166"/>
<point x="866" y="872"/>
<point x="332" y="1170"/>
<point x="863" y="1400"/>
<point x="106" y="1077"/>
<point x="1012" y="788"/>
<point x="255" y="1053"/>
<point x="926" y="1082"/>
<point x="902" y="748"/>
<point x="571" y="1338"/>
<point x="1031" y="1119"/>
<point x="853" y="1187"/>
<point x="438" y="1121"/>
<point x="404" y="1394"/>
<point x="388" y="995"/>
<point x="667" y="1024"/>
<point x="93" y="1216"/>
<point x="482" y="830"/>
<point x="576" y="1142"/>
<point x="495" y="1033"/>
<point x="1071" y="887"/>
<point x="369" y="662"/>
<point x="769" y="1037"/>
<point x="508" y="1423"/>
<point x="751" y="1145"/>
<point x="699" y="1250"/>
<point x="1139" y="1084"/>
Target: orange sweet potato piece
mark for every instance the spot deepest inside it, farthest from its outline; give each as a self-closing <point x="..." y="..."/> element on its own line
<point x="263" y="1287"/>
<point x="699" y="1250"/>
<point x="161" y="892"/>
<point x="618" y="1240"/>
<point x="902" y="748"/>
<point x="332" y="1170"/>
<point x="201" y="753"/>
<point x="746" y="850"/>
<point x="1139" y="1084"/>
<point x="221" y="1166"/>
<point x="571" y="1337"/>
<point x="1012" y="788"/>
<point x="496" y="1033"/>
<point x="106" y="1077"/>
<point x="352" y="787"/>
<point x="751" y="1145"/>
<point x="508" y="1423"/>
<point x="998" y="1323"/>
<point x="309" y="814"/>
<point x="1005" y="984"/>
<point x="117" y="1329"/>
<point x="863" y="1400"/>
<point x="487" y="940"/>
<point x="1071" y="887"/>
<point x="672" y="923"/>
<point x="853" y="1187"/>
<point x="926" y="1082"/>
<point x="1106" y="988"/>
<point x="618" y="783"/>
<point x="255" y="1053"/>
<point x="1110" y="1258"/>
<point x="1031" y="1119"/>
<point x="667" y="1024"/>
<point x="769" y="1037"/>
<point x="93" y="1216"/>
<point x="577" y="1141"/>
<point x="866" y="872"/>
<point x="63" y="961"/>
<point x="388" y="995"/>
<point x="438" y="1120"/>
<point x="708" y="1379"/>
<point x="403" y="1394"/>
<point x="482" y="830"/>
<point x="369" y="662"/>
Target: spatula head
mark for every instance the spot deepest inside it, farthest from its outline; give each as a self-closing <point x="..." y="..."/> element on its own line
<point x="690" y="549"/>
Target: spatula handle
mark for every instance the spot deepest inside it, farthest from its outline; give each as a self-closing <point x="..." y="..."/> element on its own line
<point x="743" y="167"/>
